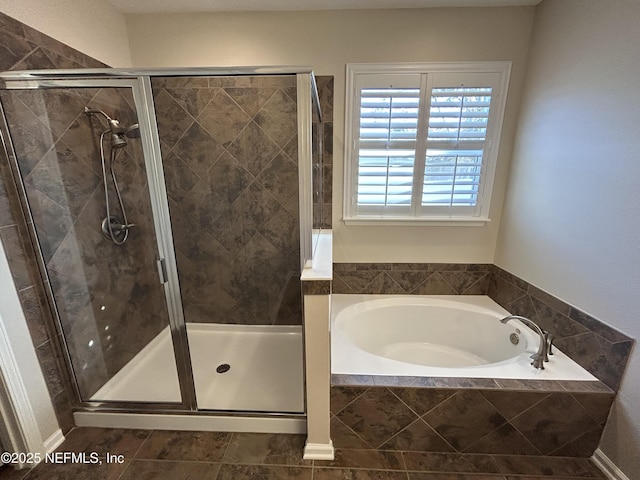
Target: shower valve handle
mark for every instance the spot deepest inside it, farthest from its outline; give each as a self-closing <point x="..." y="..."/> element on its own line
<point x="121" y="227"/>
<point x="111" y="224"/>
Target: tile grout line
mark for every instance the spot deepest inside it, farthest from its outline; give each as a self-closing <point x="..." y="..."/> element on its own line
<point x="507" y="422"/>
<point x="357" y="435"/>
<point x="135" y="455"/>
<point x="499" y="474"/>
<point x="404" y="463"/>
<point x="365" y="389"/>
<point x="573" y="439"/>
<point x="226" y="449"/>
<point x="124" y="470"/>
<point x="31" y="52"/>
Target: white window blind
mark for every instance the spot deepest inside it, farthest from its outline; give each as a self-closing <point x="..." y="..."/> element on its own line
<point x="387" y="138"/>
<point x="420" y="143"/>
<point x="456" y="137"/>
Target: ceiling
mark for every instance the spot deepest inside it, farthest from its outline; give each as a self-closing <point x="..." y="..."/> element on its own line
<point x="175" y="6"/>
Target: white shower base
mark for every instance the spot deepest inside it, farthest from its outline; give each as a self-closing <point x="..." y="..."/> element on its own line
<point x="266" y="373"/>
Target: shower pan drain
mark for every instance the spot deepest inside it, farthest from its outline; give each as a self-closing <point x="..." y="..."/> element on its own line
<point x="223" y="368"/>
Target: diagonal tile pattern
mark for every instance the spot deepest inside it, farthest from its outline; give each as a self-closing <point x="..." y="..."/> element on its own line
<point x="24" y="48"/>
<point x="222" y="118"/>
<point x="253" y="148"/>
<point x="418" y="436"/>
<point x="170" y="455"/>
<point x="275" y="117"/>
<point x="463" y="420"/>
<point x="563" y="418"/>
<point x="251" y="99"/>
<point x="173" y="120"/>
<point x="97" y="286"/>
<point x="197" y="149"/>
<point x="415" y="278"/>
<point x="230" y="178"/>
<point x="364" y="416"/>
<point x="600" y="349"/>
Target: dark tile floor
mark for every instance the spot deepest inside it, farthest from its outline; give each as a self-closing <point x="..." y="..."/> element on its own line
<point x="163" y="455"/>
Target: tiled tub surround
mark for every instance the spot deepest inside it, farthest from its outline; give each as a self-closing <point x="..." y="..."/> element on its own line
<point x="480" y="416"/>
<point x="26" y="48"/>
<point x="555" y="419"/>
<point x="229" y="148"/>
<point x="412" y="278"/>
<point x="598" y="348"/>
<point x="107" y="297"/>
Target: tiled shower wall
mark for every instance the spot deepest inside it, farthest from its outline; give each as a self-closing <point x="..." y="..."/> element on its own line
<point x="597" y="347"/>
<point x="108" y="297"/>
<point x="323" y="176"/>
<point x="22" y="47"/>
<point x="229" y="148"/>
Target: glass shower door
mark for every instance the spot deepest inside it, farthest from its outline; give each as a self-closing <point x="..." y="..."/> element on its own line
<point x="81" y="164"/>
<point x="230" y="159"/>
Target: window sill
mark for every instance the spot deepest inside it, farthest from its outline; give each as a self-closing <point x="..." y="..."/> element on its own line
<point x="418" y="222"/>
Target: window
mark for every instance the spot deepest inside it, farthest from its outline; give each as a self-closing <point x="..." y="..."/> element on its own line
<point x="421" y="141"/>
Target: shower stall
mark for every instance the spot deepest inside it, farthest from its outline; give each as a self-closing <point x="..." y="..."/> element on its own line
<point x="172" y="214"/>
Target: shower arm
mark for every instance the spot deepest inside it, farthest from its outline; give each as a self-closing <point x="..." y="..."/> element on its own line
<point x="114" y="125"/>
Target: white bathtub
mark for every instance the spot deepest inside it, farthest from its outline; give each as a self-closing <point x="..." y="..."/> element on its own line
<point x="436" y="336"/>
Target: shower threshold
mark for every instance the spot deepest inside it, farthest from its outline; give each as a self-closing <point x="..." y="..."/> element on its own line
<point x="235" y="367"/>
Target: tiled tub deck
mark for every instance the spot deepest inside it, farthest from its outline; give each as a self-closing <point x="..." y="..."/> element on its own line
<point x="471" y="416"/>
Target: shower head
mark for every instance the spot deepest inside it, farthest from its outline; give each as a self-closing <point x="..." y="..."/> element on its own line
<point x="118" y="140"/>
<point x="132" y="131"/>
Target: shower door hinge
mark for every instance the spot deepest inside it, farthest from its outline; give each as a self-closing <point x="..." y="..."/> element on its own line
<point x="162" y="271"/>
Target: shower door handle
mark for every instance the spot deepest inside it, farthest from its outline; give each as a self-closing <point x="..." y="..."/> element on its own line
<point x="162" y="271"/>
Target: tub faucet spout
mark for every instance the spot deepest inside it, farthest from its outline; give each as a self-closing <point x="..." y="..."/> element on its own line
<point x="546" y="338"/>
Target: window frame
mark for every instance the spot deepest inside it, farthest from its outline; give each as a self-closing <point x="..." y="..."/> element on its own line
<point x="451" y="215"/>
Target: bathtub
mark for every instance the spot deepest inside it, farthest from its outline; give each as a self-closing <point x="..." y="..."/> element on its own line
<point x="436" y="336"/>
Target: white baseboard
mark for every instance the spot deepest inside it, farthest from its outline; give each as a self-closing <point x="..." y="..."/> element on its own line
<point x="319" y="451"/>
<point x="609" y="468"/>
<point x="54" y="441"/>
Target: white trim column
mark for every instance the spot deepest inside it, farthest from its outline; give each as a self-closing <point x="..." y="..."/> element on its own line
<point x="317" y="342"/>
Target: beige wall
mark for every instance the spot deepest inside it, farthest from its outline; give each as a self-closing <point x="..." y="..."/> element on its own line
<point x="327" y="40"/>
<point x="570" y="225"/>
<point x="94" y="27"/>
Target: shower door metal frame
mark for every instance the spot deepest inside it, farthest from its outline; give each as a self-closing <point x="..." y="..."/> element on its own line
<point x="307" y="97"/>
<point x="139" y="80"/>
<point x="143" y="100"/>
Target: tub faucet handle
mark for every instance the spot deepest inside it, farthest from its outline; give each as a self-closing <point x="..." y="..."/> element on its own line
<point x="548" y="340"/>
<point x="537" y="360"/>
